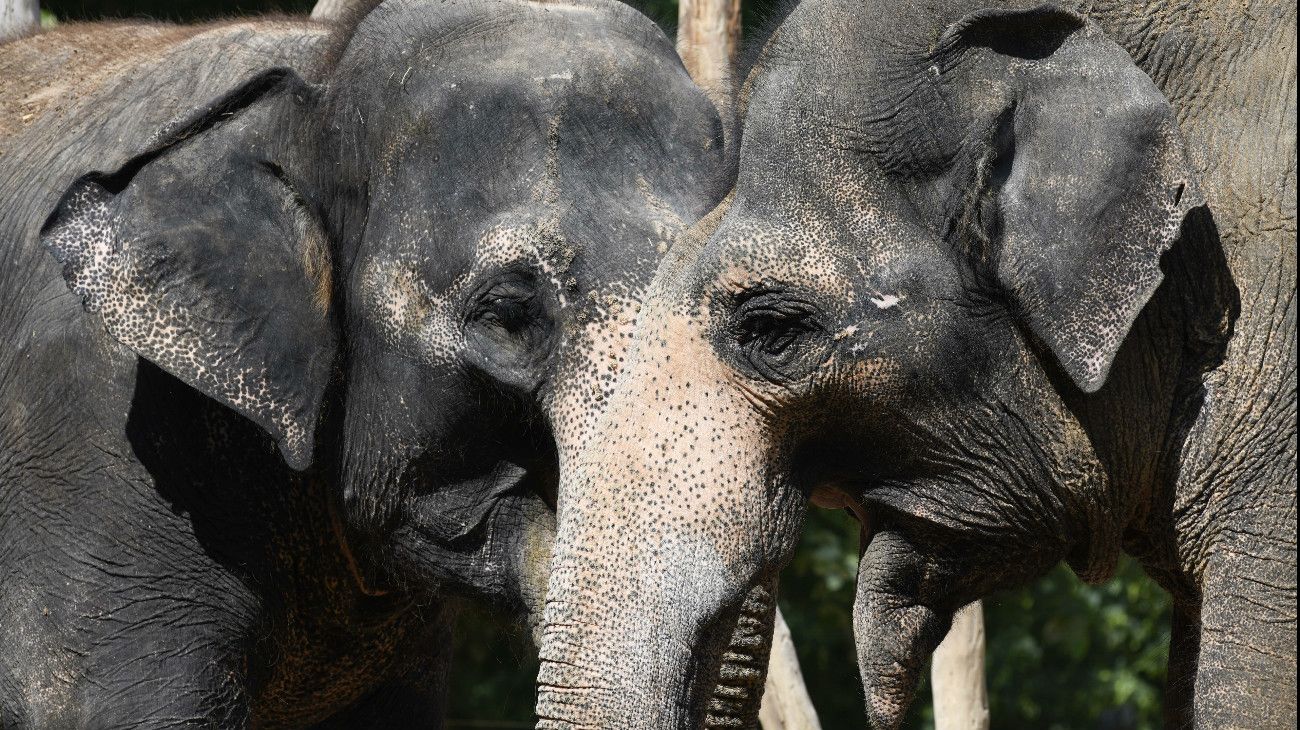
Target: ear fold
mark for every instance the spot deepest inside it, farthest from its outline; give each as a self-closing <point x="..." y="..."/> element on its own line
<point x="1091" y="175"/>
<point x="200" y="257"/>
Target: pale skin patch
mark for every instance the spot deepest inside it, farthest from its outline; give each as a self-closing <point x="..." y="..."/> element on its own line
<point x="593" y="361"/>
<point x="886" y="301"/>
<point x="111" y="277"/>
<point x="411" y="317"/>
<point x="428" y="324"/>
<point x="645" y="442"/>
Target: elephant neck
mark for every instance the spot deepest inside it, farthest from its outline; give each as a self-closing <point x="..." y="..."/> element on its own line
<point x="1142" y="421"/>
<point x="1219" y="345"/>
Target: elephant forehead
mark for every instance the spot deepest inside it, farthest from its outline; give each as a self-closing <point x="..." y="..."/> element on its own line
<point x="842" y="252"/>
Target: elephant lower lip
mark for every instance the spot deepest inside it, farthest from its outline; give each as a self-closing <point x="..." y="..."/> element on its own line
<point x="455" y="509"/>
<point x="833" y="496"/>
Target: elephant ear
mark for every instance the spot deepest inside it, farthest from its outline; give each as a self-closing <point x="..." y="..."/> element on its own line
<point x="201" y="257"/>
<point x="1090" y="174"/>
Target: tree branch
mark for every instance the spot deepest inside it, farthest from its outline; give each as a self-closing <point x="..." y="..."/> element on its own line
<point x="786" y="705"/>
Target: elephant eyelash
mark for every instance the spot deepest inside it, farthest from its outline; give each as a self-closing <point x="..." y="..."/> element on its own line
<point x="769" y="330"/>
<point x="775" y="332"/>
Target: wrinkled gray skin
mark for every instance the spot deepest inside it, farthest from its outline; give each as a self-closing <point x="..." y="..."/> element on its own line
<point x="331" y="303"/>
<point x="979" y="283"/>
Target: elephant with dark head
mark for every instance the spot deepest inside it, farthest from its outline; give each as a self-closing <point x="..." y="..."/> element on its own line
<point x="329" y="304"/>
<point x="975" y="285"/>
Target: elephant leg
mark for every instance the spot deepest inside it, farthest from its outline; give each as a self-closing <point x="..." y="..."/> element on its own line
<point x="1246" y="667"/>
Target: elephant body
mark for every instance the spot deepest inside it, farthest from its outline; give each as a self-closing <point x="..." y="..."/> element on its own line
<point x="329" y="301"/>
<point x="149" y="541"/>
<point x="1223" y="541"/>
<point x="987" y="286"/>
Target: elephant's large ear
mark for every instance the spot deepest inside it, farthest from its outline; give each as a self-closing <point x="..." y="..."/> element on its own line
<point x="1091" y="175"/>
<point x="201" y="257"/>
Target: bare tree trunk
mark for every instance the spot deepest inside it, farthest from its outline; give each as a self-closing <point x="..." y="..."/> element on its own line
<point x="329" y="9"/>
<point x="708" y="35"/>
<point x="786" y="705"/>
<point x="18" y="18"/>
<point x="957" y="674"/>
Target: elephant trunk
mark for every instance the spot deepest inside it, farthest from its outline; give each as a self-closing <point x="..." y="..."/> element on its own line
<point x="895" y="629"/>
<point x="673" y="521"/>
<point x="658" y="673"/>
<point x="650" y="622"/>
<point x="622" y="654"/>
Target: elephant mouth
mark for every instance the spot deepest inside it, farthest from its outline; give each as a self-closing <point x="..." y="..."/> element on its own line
<point x="456" y="490"/>
<point x="837" y="496"/>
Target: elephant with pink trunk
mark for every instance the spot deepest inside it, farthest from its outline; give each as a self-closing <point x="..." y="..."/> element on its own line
<point x="1015" y="285"/>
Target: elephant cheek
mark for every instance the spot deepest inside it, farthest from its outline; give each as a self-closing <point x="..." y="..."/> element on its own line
<point x="895" y="631"/>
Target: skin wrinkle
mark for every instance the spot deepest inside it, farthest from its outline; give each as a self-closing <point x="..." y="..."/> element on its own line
<point x="432" y="440"/>
<point x="1219" y="64"/>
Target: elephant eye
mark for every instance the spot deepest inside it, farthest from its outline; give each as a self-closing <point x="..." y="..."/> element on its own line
<point x="509" y="329"/>
<point x="771" y="330"/>
<point x="508" y="305"/>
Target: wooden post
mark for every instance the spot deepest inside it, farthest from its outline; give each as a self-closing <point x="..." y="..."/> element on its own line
<point x="329" y="9"/>
<point x="957" y="674"/>
<point x="708" y="36"/>
<point x="786" y="705"/>
<point x="19" y="18"/>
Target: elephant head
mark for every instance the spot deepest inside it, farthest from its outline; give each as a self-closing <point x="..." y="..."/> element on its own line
<point x="414" y="271"/>
<point x="944" y="221"/>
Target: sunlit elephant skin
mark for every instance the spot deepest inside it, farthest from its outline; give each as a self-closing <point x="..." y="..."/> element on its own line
<point x="328" y="303"/>
<point x="979" y="283"/>
<point x="1221" y="64"/>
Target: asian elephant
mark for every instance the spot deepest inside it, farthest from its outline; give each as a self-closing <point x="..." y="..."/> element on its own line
<point x="981" y="284"/>
<point x="329" y="301"/>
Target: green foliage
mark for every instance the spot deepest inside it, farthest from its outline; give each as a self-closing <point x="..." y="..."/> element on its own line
<point x="1098" y="653"/>
<point x="1061" y="654"/>
<point x="493" y="669"/>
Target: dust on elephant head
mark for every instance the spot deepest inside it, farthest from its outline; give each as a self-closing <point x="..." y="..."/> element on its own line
<point x="415" y="272"/>
<point x="944" y="222"/>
